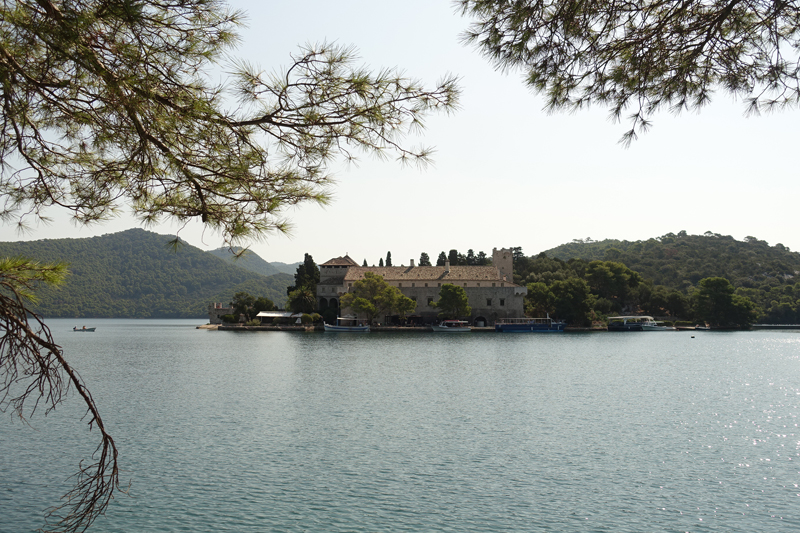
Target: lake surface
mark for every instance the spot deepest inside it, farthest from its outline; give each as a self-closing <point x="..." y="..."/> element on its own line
<point x="326" y="432"/>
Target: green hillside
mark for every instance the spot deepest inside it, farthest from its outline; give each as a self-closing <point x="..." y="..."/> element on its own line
<point x="768" y="275"/>
<point x="136" y="274"/>
<point x="253" y="262"/>
<point x="680" y="260"/>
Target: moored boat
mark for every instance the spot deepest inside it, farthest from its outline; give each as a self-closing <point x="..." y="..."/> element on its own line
<point x="635" y="323"/>
<point x="453" y="326"/>
<point x="347" y="324"/>
<point x="528" y="325"/>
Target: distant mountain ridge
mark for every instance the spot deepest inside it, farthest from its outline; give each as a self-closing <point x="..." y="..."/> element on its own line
<point x="253" y="262"/>
<point x="136" y="274"/>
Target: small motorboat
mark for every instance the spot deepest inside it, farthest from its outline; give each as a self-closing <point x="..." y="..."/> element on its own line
<point x="84" y="328"/>
<point x="454" y="326"/>
<point x="347" y="324"/>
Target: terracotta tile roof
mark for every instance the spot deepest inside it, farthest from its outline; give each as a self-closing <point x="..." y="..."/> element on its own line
<point x="340" y="261"/>
<point x="429" y="273"/>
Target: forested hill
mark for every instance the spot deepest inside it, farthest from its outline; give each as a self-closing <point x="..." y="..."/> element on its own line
<point x="136" y="274"/>
<point x="680" y="260"/>
<point x="253" y="262"/>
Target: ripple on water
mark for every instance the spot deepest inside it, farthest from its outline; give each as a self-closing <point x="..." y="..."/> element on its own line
<point x="321" y="433"/>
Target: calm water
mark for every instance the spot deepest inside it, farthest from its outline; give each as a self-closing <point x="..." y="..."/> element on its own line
<point x="316" y="432"/>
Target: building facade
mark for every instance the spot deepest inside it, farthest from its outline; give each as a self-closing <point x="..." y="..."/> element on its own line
<point x="216" y="311"/>
<point x="490" y="289"/>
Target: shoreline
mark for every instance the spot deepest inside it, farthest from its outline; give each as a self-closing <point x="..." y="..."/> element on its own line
<point x="394" y="329"/>
<point x="426" y="329"/>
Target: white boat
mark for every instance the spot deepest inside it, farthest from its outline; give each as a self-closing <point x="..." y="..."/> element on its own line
<point x="354" y="327"/>
<point x="652" y="325"/>
<point x="84" y="328"/>
<point x="635" y="323"/>
<point x="453" y="326"/>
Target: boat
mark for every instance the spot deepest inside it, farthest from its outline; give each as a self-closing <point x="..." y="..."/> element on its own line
<point x="635" y="323"/>
<point x="355" y="327"/>
<point x="529" y="325"/>
<point x="453" y="326"/>
<point x="653" y="325"/>
<point x="84" y="328"/>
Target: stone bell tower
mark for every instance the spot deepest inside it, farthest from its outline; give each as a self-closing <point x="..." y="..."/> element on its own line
<point x="504" y="262"/>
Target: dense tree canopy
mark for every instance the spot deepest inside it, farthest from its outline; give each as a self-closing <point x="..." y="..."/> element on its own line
<point x="717" y="304"/>
<point x="644" y="55"/>
<point x="765" y="274"/>
<point x="134" y="274"/>
<point x="373" y="297"/>
<point x="453" y="302"/>
<point x="249" y="306"/>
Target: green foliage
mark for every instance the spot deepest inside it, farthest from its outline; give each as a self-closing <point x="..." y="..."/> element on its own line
<point x="306" y="277"/>
<point x="302" y="300"/>
<point x="263" y="304"/>
<point x="249" y="306"/>
<point x="20" y="277"/>
<point x="573" y="301"/>
<point x="424" y="260"/>
<point x="646" y="56"/>
<point x="388" y="259"/>
<point x="453" y="302"/>
<point x="373" y="297"/>
<point x="612" y="280"/>
<point x="763" y="273"/>
<point x="133" y="274"/>
<point x="230" y="319"/>
<point x="249" y="260"/>
<point x="458" y="259"/>
<point x="717" y="304"/>
<point x="306" y="318"/>
<point x="540" y="300"/>
<point x="105" y="107"/>
<point x="34" y="374"/>
<point x="242" y="304"/>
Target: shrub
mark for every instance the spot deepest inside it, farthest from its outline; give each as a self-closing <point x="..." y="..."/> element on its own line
<point x="229" y="319"/>
<point x="306" y="318"/>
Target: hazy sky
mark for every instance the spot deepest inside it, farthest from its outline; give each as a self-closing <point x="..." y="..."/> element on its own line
<point x="506" y="173"/>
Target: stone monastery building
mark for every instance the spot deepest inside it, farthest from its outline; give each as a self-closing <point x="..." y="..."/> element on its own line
<point x="491" y="291"/>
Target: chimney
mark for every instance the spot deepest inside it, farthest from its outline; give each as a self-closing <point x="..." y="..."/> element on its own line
<point x="412" y="263"/>
<point x="447" y="266"/>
